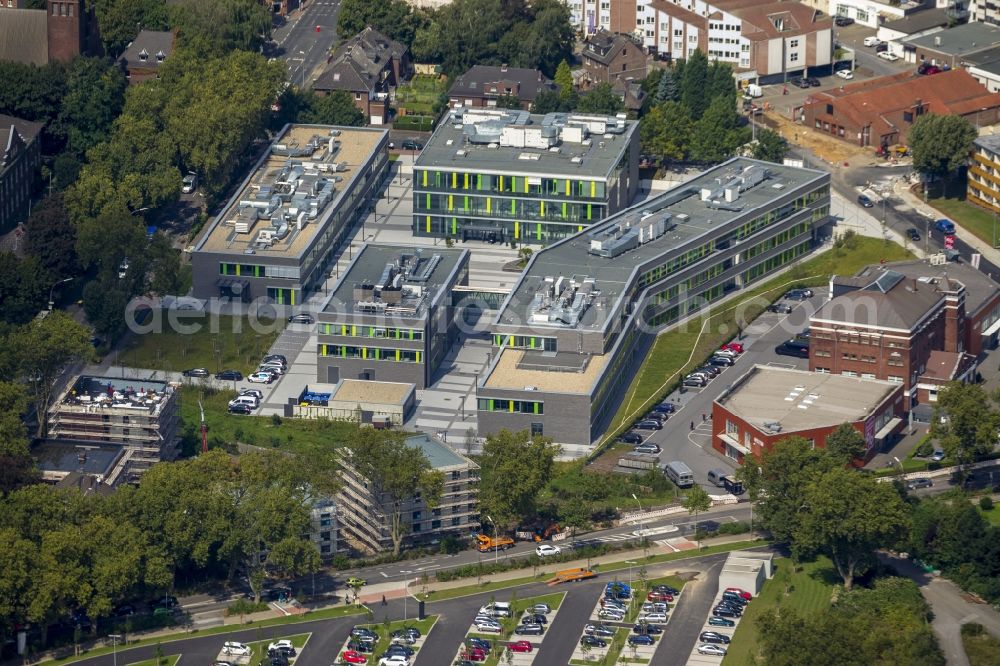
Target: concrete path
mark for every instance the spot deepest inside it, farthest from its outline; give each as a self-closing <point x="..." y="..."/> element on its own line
<point x="951" y="608"/>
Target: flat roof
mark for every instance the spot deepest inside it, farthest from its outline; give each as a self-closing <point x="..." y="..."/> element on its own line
<point x="116" y="393"/>
<point x="67" y="456"/>
<point x="517" y="369"/>
<point x="439" y="455"/>
<point x="968" y="38"/>
<point x="800" y="400"/>
<point x="611" y="276"/>
<point x="922" y="20"/>
<point x="471" y="140"/>
<point x="990" y="142"/>
<point x="292" y="193"/>
<point x="372" y="392"/>
<point x="393" y="280"/>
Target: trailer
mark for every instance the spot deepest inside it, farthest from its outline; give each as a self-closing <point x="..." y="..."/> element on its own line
<point x="639" y="461"/>
<point x="570" y="575"/>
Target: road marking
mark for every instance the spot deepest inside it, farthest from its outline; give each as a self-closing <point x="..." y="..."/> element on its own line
<point x="384" y="574"/>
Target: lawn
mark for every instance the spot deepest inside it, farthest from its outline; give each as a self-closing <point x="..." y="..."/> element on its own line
<point x="215" y="342"/>
<point x="420" y="94"/>
<point x="162" y="661"/>
<point x="296" y="435"/>
<point x="259" y="647"/>
<point x="807" y="591"/>
<point x="952" y="204"/>
<point x="993" y="515"/>
<point x="982" y="650"/>
<point x="688" y="345"/>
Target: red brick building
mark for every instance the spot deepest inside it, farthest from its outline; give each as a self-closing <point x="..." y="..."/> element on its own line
<point x="916" y="324"/>
<point x="484" y="85"/>
<point x="769" y="404"/>
<point x="608" y="57"/>
<point x="146" y="54"/>
<point x="880" y="112"/>
<point x="39" y="36"/>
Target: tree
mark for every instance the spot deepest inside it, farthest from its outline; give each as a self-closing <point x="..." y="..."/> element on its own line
<point x="547" y="101"/>
<point x="45" y="347"/>
<point x="564" y="80"/>
<point x="94" y="98"/>
<point x="845" y="444"/>
<point x="337" y="108"/>
<point x="601" y="99"/>
<point x="514" y="468"/>
<point x="696" y="501"/>
<point x="17" y="467"/>
<point x="770" y="146"/>
<point x="971" y="423"/>
<point x="695" y="85"/>
<point x="119" y="21"/>
<point x="35" y="93"/>
<point x="776" y="482"/>
<point x="398" y="474"/>
<point x="217" y="28"/>
<point x="848" y="516"/>
<point x="393" y="18"/>
<point x="508" y="102"/>
<point x="715" y="136"/>
<point x="668" y="90"/>
<point x="666" y="131"/>
<point x="23" y="288"/>
<point x="940" y="144"/>
<point x="51" y="238"/>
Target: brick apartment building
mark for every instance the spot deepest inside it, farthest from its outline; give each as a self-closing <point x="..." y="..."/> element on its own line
<point x="608" y="57"/>
<point x="880" y="112"/>
<point x="20" y="158"/>
<point x="916" y="324"/>
<point x="769" y="404"/>
<point x="38" y="36"/>
<point x="146" y="54"/>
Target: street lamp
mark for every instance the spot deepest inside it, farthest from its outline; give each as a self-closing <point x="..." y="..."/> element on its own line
<point x="114" y="647"/>
<point x="496" y="550"/>
<point x="630" y="563"/>
<point x="51" y="302"/>
<point x="901" y="470"/>
<point x="642" y="521"/>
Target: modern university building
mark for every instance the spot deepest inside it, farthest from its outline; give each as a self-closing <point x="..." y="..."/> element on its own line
<point x="573" y="332"/>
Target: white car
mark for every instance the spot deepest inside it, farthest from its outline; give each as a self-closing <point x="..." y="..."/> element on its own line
<point x="545" y="550"/>
<point x="261" y="378"/>
<point x="283" y="643"/>
<point x="888" y="55"/>
<point x="238" y="649"/>
<point x="872" y="40"/>
<point x="845" y="74"/>
<point x="188" y="183"/>
<point x="271" y="367"/>
<point x="488" y="626"/>
<point x="394" y="660"/>
<point x="611" y="614"/>
<point x="653" y="617"/>
<point x="708" y="648"/>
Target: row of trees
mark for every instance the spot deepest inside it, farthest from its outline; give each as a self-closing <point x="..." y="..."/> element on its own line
<point x="464" y="33"/>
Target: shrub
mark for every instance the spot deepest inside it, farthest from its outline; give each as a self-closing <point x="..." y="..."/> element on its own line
<point x="925" y="448"/>
<point x="986" y="503"/>
<point x="933" y="465"/>
<point x="972" y="629"/>
<point x="275" y="420"/>
<point x="245" y="607"/>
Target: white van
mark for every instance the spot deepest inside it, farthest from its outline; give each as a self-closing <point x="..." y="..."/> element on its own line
<point x="679" y="473"/>
<point x="250" y="400"/>
<point x="497" y="609"/>
<point x="715" y="476"/>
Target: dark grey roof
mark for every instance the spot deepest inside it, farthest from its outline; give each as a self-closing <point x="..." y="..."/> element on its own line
<point x="960" y="40"/>
<point x="980" y="289"/>
<point x="10" y="146"/>
<point x="85" y="483"/>
<point x="24" y="35"/>
<point x="891" y="299"/>
<point x="358" y="63"/>
<point x="69" y="456"/>
<point x="474" y="82"/>
<point x="603" y="46"/>
<point x="631" y="93"/>
<point x="149" y="49"/>
<point x="918" y="22"/>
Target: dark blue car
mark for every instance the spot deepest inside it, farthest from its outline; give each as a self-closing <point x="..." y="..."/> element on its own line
<point x="641" y="639"/>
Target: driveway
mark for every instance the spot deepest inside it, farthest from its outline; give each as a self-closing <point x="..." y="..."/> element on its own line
<point x="951" y="608"/>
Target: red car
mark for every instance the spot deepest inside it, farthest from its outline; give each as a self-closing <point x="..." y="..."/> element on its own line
<point x="352" y="657"/>
<point x="733" y="347"/>
<point x="476" y="654"/>
<point x="660" y="596"/>
<point x="520" y="646"/>
<point x="743" y="594"/>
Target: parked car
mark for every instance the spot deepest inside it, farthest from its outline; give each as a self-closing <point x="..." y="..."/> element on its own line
<point x="631" y="437"/>
<point x="725" y="611"/>
<point x="404" y="650"/>
<point x="646" y="628"/>
<point x="659" y="596"/>
<point x="843" y="21"/>
<point x="358" y="632"/>
<point x="230" y="375"/>
<point x="721" y="361"/>
<point x="709" y="369"/>
<point x="394" y="660"/>
<point x="599" y="630"/>
<point x="240" y="408"/>
<point x="275" y="357"/>
<point x="913" y="234"/>
<point x="641" y="639"/>
<point x="789" y="349"/>
<point x="612" y="614"/>
<point x="799" y="294"/>
<point x="301" y="318"/>
<point x="411" y="145"/>
<point x="721" y="622"/>
<point x="881" y="48"/>
<point x="488" y="626"/>
<point x="743" y="594"/>
<point x="926" y="69"/>
<point x="544" y="550"/>
<point x="233" y="648"/>
<point x="709" y="648"/>
<point x="665" y="407"/>
<point x="648" y="425"/>
<point x="713" y="637"/>
<point x="945" y="226"/>
<point x="653" y="617"/>
<point x="276" y="368"/>
<point x="188" y="183"/>
<point x="520" y="646"/>
<point x="865" y="201"/>
<point x="651" y="449"/>
<point x="872" y="40"/>
<point x="780" y="308"/>
<point x="812" y="81"/>
<point x="407" y="631"/>
<point x="938" y="455"/>
<point x="529" y="630"/>
<point x="593" y="642"/>
<point x="733" y="346"/>
<point x="655" y="607"/>
<point x="544" y="609"/>
<point x="261" y="377"/>
<point x="917" y="484"/>
<point x="845" y="74"/>
<point x="361" y="646"/>
<point x="256" y="393"/>
<point x="888" y="55"/>
<point x="353" y="657"/>
<point x="283" y="644"/>
<point x="669" y="589"/>
<point x="480" y="643"/>
<point x="798" y="81"/>
<point x="696" y="382"/>
<point x="656" y="416"/>
<point x="196" y="372"/>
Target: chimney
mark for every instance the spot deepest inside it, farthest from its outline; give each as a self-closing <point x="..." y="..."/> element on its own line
<point x="937" y="40"/>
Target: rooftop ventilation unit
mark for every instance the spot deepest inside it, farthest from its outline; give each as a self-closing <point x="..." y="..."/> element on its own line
<point x="562" y="301"/>
<point x="629" y="232"/>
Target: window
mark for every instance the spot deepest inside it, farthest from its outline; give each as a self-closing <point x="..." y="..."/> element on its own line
<point x="536" y="430"/>
<point x="793" y="44"/>
<point x="456" y="521"/>
<point x="416" y="515"/>
<point x="794" y="57"/>
<point x="456" y="475"/>
<point x="895" y="379"/>
<point x="908" y="116"/>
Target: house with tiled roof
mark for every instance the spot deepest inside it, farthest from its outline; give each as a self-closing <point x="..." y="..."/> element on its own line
<point x="369" y="66"/>
<point x="880" y="112"/>
<point x="484" y="85"/>
<point x="146" y="54"/>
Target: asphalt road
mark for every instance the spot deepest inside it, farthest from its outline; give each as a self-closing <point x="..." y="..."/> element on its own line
<point x="304" y="41"/>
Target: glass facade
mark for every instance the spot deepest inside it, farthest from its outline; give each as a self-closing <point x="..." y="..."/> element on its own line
<point x="372" y="353"/>
<point x="530" y="209"/>
<point x="512" y="406"/>
<point x="525" y="342"/>
<point x="350" y="330"/>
